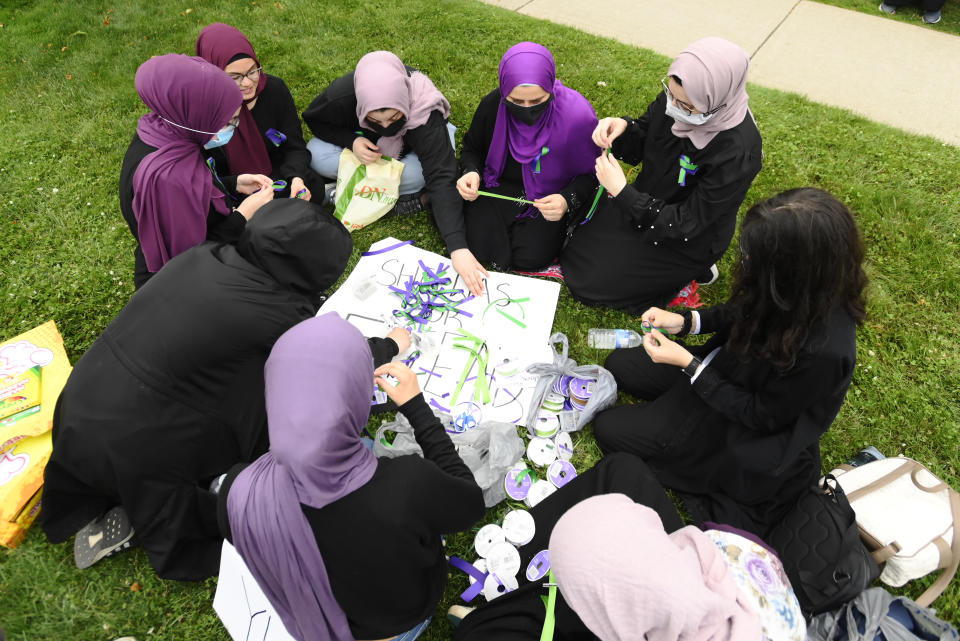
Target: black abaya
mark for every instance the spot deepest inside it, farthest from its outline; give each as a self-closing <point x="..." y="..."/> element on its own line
<point x="171" y="394"/>
<point x="664" y="230"/>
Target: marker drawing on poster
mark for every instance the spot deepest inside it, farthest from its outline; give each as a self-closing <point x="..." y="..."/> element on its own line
<point x="494" y="335"/>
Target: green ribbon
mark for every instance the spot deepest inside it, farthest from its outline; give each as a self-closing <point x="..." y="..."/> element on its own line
<point x="686" y="166"/>
<point x="549" y="620"/>
<point x="516" y="200"/>
<point x="475" y="347"/>
<point x="543" y="152"/>
<point x="344" y="195"/>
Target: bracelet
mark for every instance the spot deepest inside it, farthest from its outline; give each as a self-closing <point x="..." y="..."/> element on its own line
<point x="687" y="324"/>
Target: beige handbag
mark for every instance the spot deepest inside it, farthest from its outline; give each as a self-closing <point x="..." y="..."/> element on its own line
<point x="908" y="517"/>
<point x="366" y="192"/>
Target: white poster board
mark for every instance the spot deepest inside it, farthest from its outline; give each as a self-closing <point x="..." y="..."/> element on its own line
<point x="514" y="317"/>
<point x="241" y="604"/>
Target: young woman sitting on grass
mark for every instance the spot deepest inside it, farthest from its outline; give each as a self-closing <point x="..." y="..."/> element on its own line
<point x="386" y="108"/>
<point x="734" y="424"/>
<point x="170" y="396"/>
<point x="700" y="150"/>
<point x="531" y="139"/>
<point x="268" y="139"/>
<point x="344" y="545"/>
<point x="626" y="568"/>
<point x="169" y="196"/>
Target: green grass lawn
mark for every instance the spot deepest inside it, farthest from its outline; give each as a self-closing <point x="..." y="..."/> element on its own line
<point x="949" y="23"/>
<point x="69" y="109"/>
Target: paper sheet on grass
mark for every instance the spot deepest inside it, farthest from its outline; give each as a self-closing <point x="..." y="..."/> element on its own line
<point x="516" y="333"/>
<point x="242" y="606"/>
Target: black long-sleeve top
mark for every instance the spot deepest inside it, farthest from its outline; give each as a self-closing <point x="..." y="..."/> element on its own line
<point x="476" y="144"/>
<point x="698" y="218"/>
<point x="332" y="116"/>
<point x="220" y="227"/>
<point x="764" y="425"/>
<point x="275" y="109"/>
<point x="381" y="543"/>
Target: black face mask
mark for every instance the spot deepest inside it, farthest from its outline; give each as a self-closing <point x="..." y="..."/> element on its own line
<point x="390" y="130"/>
<point x="528" y="115"/>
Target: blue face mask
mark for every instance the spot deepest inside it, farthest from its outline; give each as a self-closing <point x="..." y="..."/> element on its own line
<point x="221" y="138"/>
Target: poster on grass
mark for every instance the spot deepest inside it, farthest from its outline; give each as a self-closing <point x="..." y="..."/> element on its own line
<point x="242" y="606"/>
<point x="471" y="351"/>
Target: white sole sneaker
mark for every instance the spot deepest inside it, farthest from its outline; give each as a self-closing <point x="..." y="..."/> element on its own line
<point x="714" y="275"/>
<point x="102" y="537"/>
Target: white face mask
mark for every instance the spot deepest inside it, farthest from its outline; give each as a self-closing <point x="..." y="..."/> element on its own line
<point x="679" y="115"/>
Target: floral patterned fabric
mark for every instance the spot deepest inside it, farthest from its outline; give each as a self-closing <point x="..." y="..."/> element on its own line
<point x="760" y="576"/>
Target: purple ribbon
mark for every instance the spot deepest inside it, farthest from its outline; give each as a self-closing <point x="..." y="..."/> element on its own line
<point x="386" y="249"/>
<point x="470" y="593"/>
<point x="276" y="137"/>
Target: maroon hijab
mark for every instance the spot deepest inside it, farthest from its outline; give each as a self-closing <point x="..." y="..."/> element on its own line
<point x="190" y="100"/>
<point x="219" y="44"/>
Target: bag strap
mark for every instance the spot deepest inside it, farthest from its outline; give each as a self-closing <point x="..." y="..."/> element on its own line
<point x="887" y="552"/>
<point x="933" y="489"/>
<point x="935" y="590"/>
<point x="549" y="620"/>
<point x="346" y="192"/>
<point x="560" y="338"/>
<point x="908" y="466"/>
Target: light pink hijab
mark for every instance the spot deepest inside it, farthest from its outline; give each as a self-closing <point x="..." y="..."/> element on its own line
<point x="628" y="579"/>
<point x="713" y="72"/>
<point x="381" y="82"/>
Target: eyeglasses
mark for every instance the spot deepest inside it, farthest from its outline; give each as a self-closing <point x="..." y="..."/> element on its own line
<point x="685" y="107"/>
<point x="253" y="76"/>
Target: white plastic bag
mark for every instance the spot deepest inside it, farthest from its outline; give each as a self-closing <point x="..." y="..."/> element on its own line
<point x="366" y="192"/>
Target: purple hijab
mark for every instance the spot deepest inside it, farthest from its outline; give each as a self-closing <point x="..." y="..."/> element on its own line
<point x="318" y="381"/>
<point x="172" y="187"/>
<point x="218" y="44"/>
<point x="565" y="128"/>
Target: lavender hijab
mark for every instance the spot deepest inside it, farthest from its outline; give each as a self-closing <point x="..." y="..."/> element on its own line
<point x="381" y="82"/>
<point x="714" y="73"/>
<point x="218" y="44"/>
<point x="565" y="128"/>
<point x="318" y="381"/>
<point x="172" y="188"/>
<point x="626" y="578"/>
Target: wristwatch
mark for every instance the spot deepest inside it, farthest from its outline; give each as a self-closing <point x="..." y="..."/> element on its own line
<point x="691" y="369"/>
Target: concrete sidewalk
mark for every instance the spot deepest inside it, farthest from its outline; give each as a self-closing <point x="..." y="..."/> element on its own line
<point x="888" y="71"/>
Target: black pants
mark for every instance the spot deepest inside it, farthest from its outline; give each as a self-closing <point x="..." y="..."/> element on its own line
<point x="496" y="234"/>
<point x="662" y="428"/>
<point x="924" y="5"/>
<point x="518" y="616"/>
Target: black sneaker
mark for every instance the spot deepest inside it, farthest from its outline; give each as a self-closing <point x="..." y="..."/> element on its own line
<point x="102" y="537"/>
<point x="409" y="204"/>
<point x="708" y="277"/>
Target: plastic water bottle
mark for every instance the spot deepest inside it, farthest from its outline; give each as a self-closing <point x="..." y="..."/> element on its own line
<point x="613" y="338"/>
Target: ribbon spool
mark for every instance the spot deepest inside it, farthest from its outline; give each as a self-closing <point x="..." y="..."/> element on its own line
<point x="488" y="536"/>
<point x="561" y="472"/>
<point x="547" y="426"/>
<point x="503" y="560"/>
<point x="539" y="566"/>
<point x="519" y="527"/>
<point x="581" y="389"/>
<point x="564" y="446"/>
<point x="561" y="386"/>
<point x="553" y="402"/>
<point x="481" y="565"/>
<point x="496" y="586"/>
<point x="541" y="451"/>
<point x="540" y="490"/>
<point x="518" y="482"/>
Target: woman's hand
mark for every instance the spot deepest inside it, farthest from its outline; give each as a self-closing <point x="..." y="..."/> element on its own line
<point x="366" y="151"/>
<point x="610" y="174"/>
<point x="607" y="130"/>
<point x="663" y="350"/>
<point x="468" y="185"/>
<point x="400" y="336"/>
<point x="469" y="269"/>
<point x="668" y="321"/>
<point x="249" y="183"/>
<point x="296" y="186"/>
<point x="255" y="201"/>
<point x="551" y="207"/>
<point x="407" y="384"/>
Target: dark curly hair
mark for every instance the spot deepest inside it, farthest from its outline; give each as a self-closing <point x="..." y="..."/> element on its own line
<point x="801" y="257"/>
